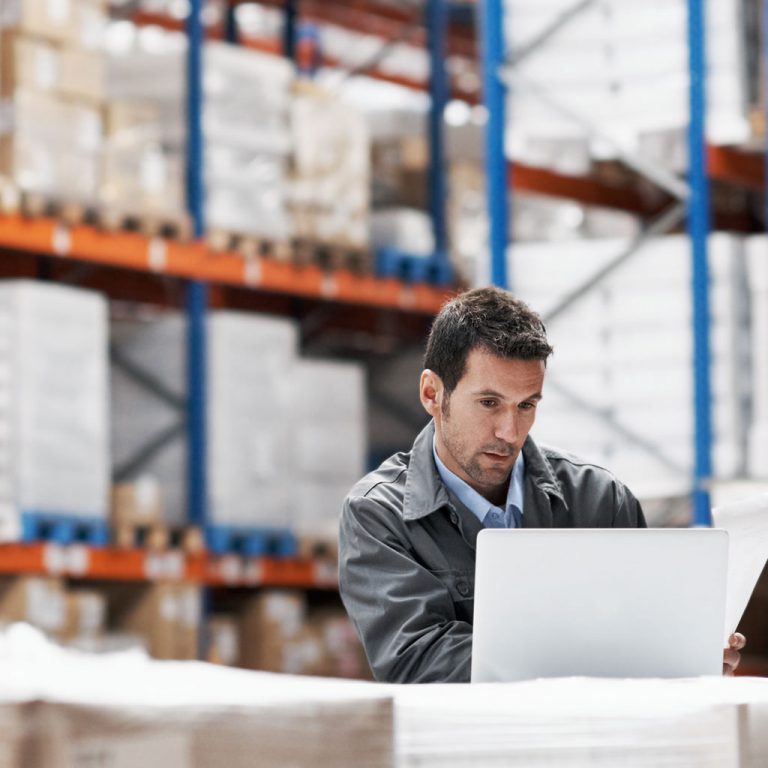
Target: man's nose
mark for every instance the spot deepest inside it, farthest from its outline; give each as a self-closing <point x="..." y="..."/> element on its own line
<point x="507" y="427"/>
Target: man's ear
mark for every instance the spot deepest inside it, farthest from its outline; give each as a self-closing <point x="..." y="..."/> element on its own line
<point x="431" y="392"/>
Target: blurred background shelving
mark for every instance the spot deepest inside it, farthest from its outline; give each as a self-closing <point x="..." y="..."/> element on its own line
<point x="263" y="225"/>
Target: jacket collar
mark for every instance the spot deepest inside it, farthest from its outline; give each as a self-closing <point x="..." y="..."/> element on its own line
<point x="425" y="492"/>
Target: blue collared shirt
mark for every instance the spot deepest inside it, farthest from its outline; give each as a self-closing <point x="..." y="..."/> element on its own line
<point x="488" y="514"/>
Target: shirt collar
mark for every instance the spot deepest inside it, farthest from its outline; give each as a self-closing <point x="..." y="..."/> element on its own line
<point x="471" y="499"/>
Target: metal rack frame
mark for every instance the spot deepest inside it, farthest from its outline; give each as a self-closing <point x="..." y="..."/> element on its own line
<point x="694" y="195"/>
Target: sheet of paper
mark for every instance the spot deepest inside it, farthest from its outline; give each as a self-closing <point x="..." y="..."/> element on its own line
<point x="747" y="526"/>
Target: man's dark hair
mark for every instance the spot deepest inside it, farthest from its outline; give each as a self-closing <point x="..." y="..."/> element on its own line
<point x="487" y="318"/>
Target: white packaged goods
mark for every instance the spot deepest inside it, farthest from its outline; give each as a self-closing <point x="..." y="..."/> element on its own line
<point x="54" y="455"/>
<point x="757" y="270"/>
<point x="249" y="451"/>
<point x="328" y="418"/>
<point x="140" y="174"/>
<point x="182" y="714"/>
<point x="330" y="180"/>
<point x="620" y="386"/>
<point x="245" y="125"/>
<point x="51" y="146"/>
<point x="128" y="710"/>
<point x="592" y="91"/>
<point x="405" y="229"/>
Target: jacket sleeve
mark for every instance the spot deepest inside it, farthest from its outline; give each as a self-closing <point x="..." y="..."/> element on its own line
<point x="403" y="613"/>
<point x="628" y="512"/>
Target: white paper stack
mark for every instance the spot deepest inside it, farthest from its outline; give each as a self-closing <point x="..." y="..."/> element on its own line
<point x="592" y="90"/>
<point x="757" y="270"/>
<point x="245" y="117"/>
<point x="63" y="708"/>
<point x="54" y="452"/>
<point x="328" y="422"/>
<point x="249" y="451"/>
<point x="620" y="387"/>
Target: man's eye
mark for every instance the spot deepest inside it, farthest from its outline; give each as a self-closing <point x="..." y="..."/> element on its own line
<point x="526" y="406"/>
<point x="488" y="403"/>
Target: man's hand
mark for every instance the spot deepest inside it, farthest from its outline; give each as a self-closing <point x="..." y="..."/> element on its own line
<point x="731" y="655"/>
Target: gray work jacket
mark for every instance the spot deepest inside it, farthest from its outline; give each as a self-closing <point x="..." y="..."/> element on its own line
<point x="407" y="552"/>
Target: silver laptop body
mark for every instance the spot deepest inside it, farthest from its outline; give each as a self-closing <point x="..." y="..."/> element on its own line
<point x="599" y="602"/>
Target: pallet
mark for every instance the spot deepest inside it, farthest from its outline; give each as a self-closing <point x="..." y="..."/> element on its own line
<point x="391" y="262"/>
<point x="251" y="542"/>
<point x="332" y="256"/>
<point x="169" y="226"/>
<point x="317" y="547"/>
<point x="248" y="246"/>
<point x="158" y="537"/>
<point x="64" y="529"/>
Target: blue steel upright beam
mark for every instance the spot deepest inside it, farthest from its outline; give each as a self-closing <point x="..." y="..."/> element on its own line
<point x="698" y="228"/>
<point x="289" y="29"/>
<point x="437" y="27"/>
<point x="197" y="292"/>
<point x="492" y="47"/>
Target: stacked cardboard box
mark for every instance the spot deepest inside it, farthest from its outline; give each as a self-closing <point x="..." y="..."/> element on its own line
<point x="69" y="616"/>
<point x="166" y="615"/>
<point x="54" y="452"/>
<point x="280" y="633"/>
<point x="52" y="86"/>
<point x="330" y="184"/>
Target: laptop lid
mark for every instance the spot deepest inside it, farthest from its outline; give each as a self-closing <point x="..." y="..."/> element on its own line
<point x="598" y="602"/>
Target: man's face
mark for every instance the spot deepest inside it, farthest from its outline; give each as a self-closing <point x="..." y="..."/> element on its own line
<point x="481" y="428"/>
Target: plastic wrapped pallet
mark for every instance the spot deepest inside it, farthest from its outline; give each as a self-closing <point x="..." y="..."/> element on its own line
<point x="328" y="420"/>
<point x="54" y="457"/>
<point x="630" y="339"/>
<point x="330" y="181"/>
<point x="245" y="125"/>
<point x="52" y="85"/>
<point x="249" y="455"/>
<point x="591" y="90"/>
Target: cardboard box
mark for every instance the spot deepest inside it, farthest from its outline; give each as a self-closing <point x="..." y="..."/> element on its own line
<point x="166" y="615"/>
<point x="223" y="641"/>
<point x="38" y="600"/>
<point x="86" y="612"/>
<point x="66" y="71"/>
<point x="77" y="22"/>
<point x="271" y="627"/>
<point x="138" y="503"/>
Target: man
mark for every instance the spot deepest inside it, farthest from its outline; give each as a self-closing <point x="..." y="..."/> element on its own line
<point x="408" y="529"/>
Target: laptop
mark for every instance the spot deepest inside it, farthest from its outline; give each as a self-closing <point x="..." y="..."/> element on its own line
<point x="598" y="602"/>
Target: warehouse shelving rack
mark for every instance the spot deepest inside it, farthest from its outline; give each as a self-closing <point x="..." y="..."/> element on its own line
<point x="692" y="197"/>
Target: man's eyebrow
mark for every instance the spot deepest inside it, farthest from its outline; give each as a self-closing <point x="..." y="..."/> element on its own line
<point x="493" y="393"/>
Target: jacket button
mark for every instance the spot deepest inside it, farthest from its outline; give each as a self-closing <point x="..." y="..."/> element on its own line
<point x="462" y="588"/>
<point x="454" y="518"/>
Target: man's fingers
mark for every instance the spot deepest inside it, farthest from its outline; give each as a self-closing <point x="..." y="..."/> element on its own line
<point x="737" y="641"/>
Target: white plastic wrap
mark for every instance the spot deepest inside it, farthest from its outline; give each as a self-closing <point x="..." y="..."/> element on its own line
<point x="54" y="451"/>
<point x="625" y="350"/>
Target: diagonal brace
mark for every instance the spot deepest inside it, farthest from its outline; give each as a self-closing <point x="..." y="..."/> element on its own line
<point x="663" y="223"/>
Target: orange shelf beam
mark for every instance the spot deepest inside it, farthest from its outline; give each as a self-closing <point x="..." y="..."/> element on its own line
<point x="109" y="564"/>
<point x="736" y="166"/>
<point x="196" y="261"/>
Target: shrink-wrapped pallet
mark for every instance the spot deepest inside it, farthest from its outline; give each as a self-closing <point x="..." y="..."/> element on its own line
<point x="245" y="129"/>
<point x="330" y="180"/>
<point x="249" y="457"/>
<point x="620" y="385"/>
<point x="54" y="453"/>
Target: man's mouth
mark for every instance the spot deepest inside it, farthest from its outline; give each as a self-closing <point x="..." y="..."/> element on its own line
<point x="498" y="456"/>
